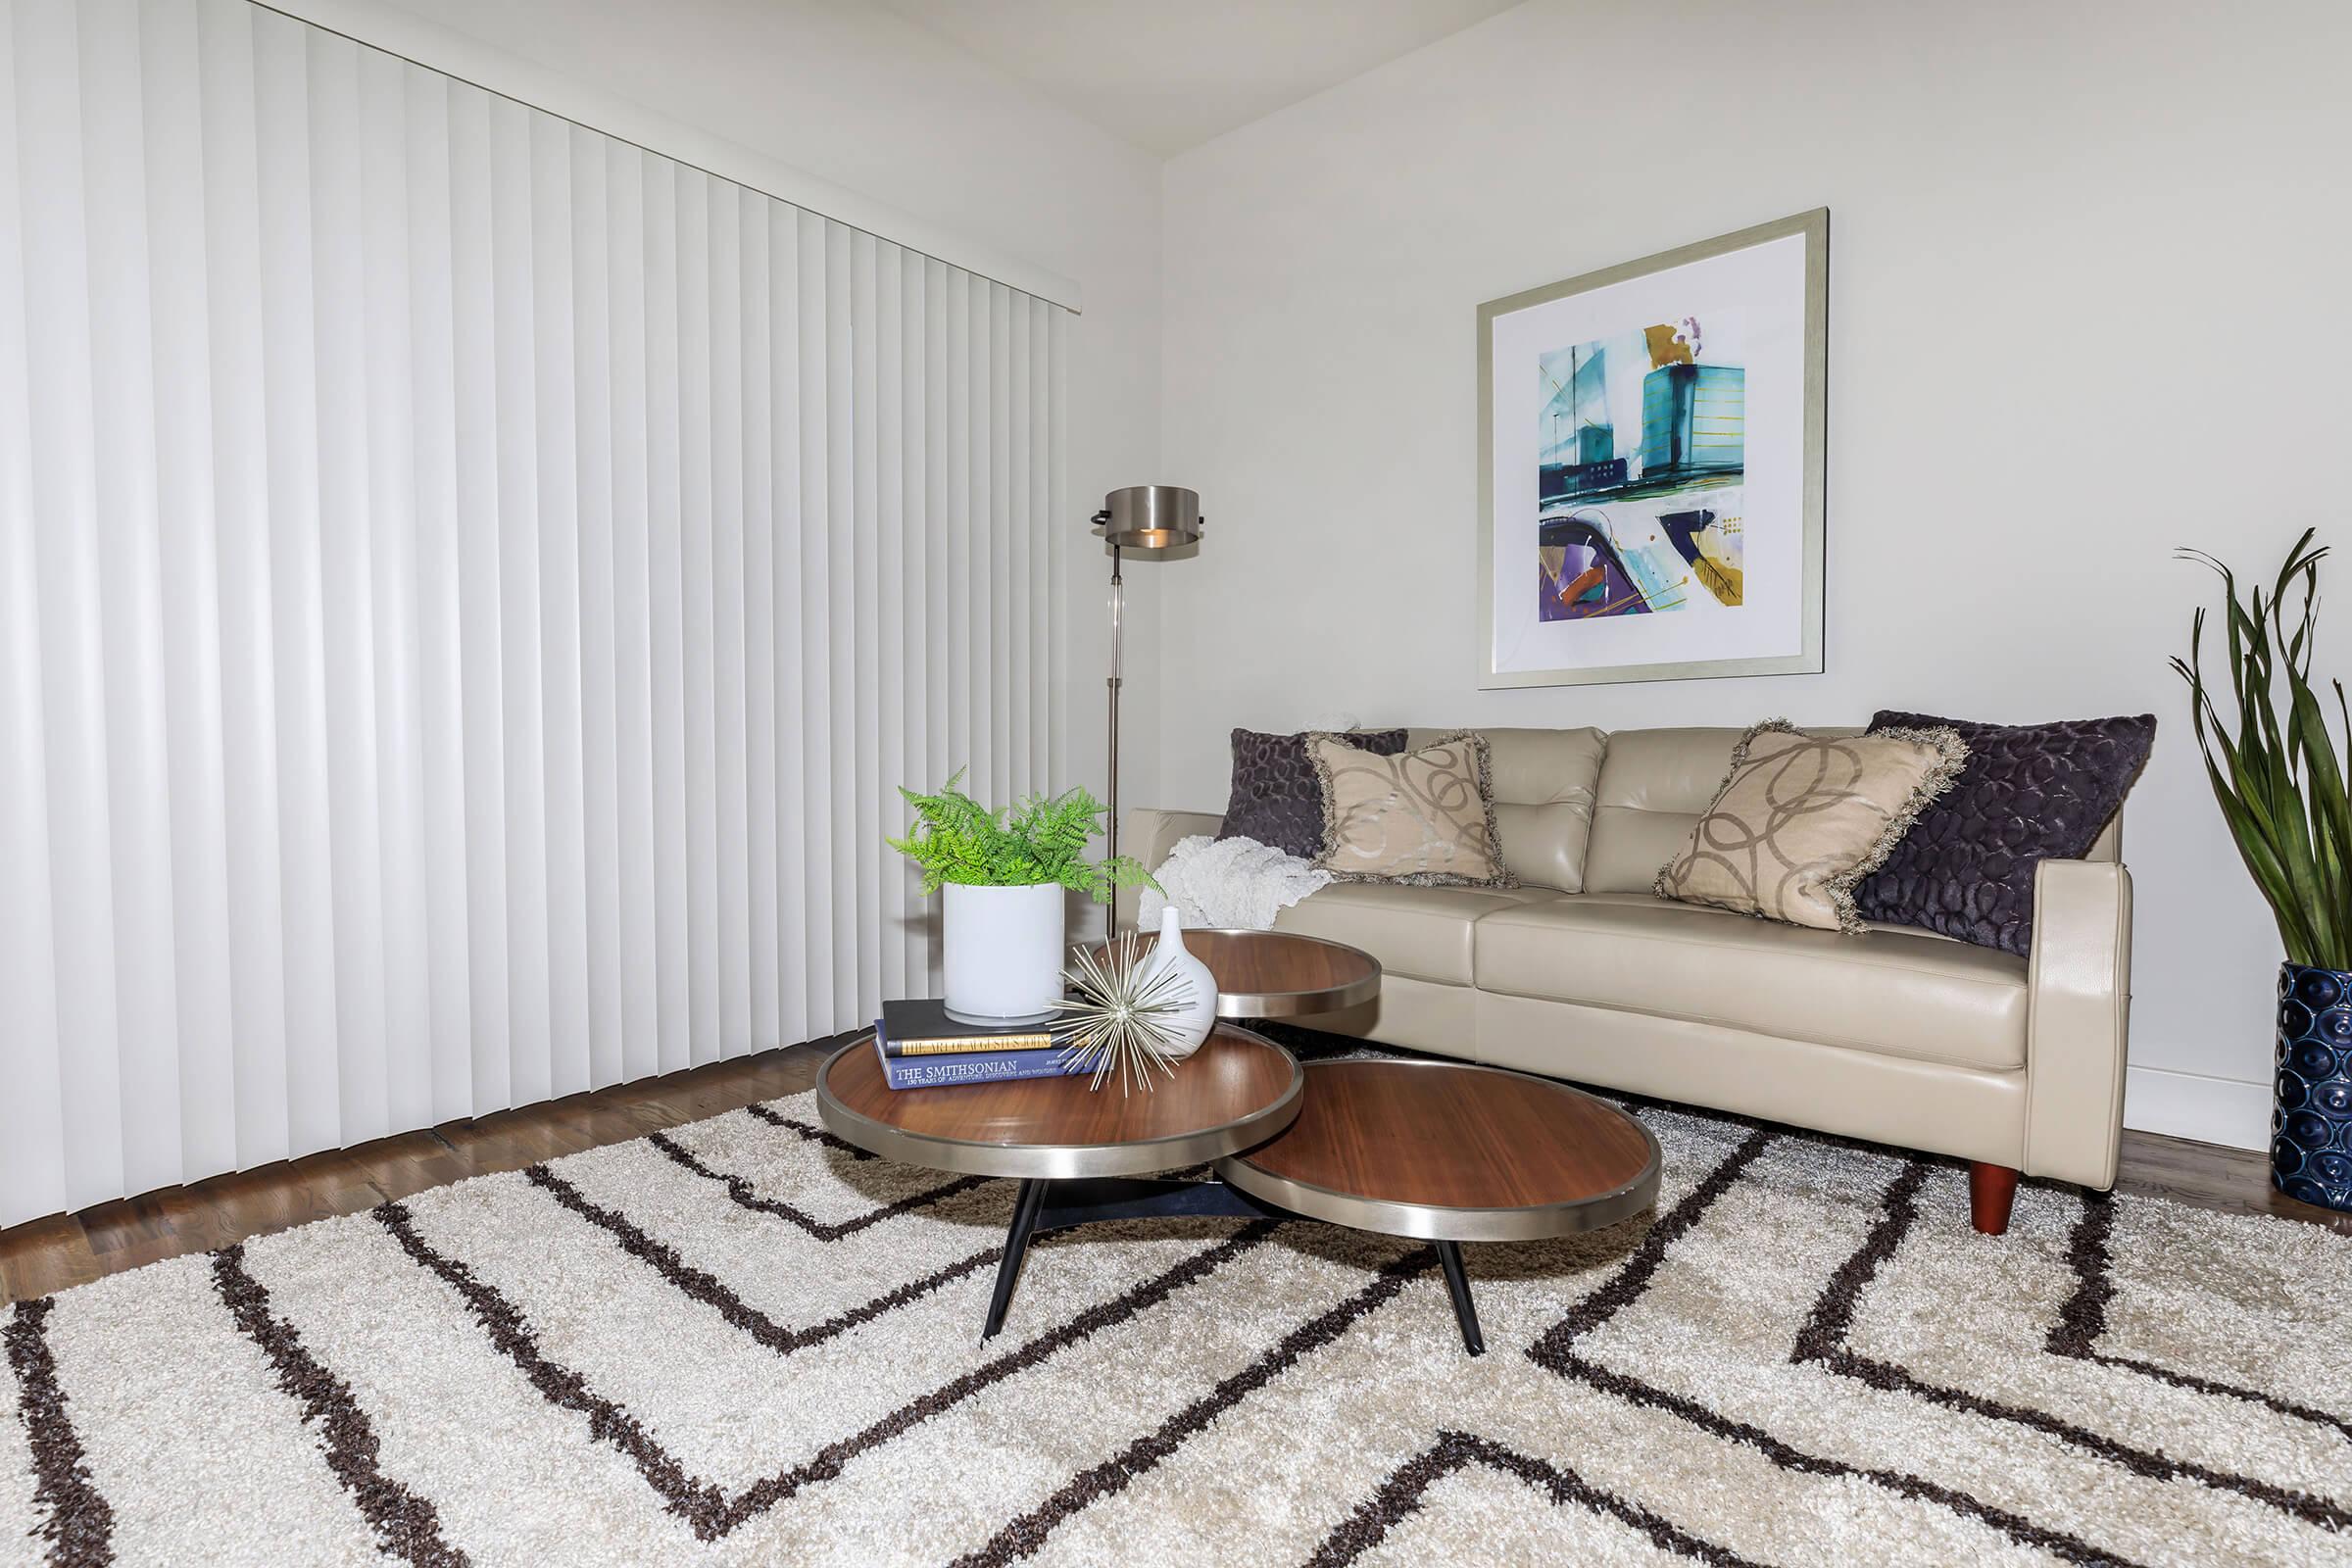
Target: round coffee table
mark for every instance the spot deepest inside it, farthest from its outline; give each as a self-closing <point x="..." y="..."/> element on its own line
<point x="1451" y="1152"/>
<point x="1239" y="1089"/>
<point x="1440" y="1150"/>
<point x="1280" y="974"/>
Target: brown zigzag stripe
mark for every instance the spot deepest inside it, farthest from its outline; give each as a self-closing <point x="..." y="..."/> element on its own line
<point x="715" y="1292"/>
<point x="1633" y="1391"/>
<point x="1634" y="1275"/>
<point x="1555" y="1352"/>
<point x="708" y="1509"/>
<point x="829" y="1464"/>
<point x="1832" y="1315"/>
<point x="1402" y="1493"/>
<point x="1025" y="1535"/>
<point x="406" y="1525"/>
<point x="741" y="1190"/>
<point x="702" y="1505"/>
<point x="1822" y="1341"/>
<point x="815" y="1135"/>
<point x="2083" y="1319"/>
<point x="80" y="1528"/>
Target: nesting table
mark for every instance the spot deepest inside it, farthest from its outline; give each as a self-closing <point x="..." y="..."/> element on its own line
<point x="1442" y="1151"/>
<point x="1280" y="974"/>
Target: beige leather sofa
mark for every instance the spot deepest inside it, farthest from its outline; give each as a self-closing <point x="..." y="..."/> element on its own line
<point x="1898" y="1036"/>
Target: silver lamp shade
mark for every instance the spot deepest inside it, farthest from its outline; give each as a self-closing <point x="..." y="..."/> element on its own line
<point x="1149" y="517"/>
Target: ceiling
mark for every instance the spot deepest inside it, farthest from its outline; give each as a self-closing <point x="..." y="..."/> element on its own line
<point x="1170" y="75"/>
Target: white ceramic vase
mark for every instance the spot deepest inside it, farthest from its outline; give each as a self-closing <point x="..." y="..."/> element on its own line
<point x="1196" y="995"/>
<point x="1005" y="950"/>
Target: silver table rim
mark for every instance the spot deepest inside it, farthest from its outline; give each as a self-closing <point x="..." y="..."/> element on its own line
<point x="1141" y="1156"/>
<point x="1435" y="1222"/>
<point x="1292" y="1004"/>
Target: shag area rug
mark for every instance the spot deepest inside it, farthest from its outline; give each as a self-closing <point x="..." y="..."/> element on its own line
<point x="741" y="1342"/>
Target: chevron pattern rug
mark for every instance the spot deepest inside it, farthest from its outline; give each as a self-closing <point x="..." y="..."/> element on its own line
<point x="741" y="1342"/>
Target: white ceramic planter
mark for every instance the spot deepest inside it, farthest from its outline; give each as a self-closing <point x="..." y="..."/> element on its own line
<point x="1005" y="950"/>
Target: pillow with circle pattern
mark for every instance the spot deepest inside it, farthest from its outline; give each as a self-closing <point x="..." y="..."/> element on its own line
<point x="1423" y="818"/>
<point x="1801" y="819"/>
<point x="1276" y="798"/>
<point x="2028" y="793"/>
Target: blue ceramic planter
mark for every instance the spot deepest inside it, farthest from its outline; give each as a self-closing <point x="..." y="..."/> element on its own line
<point x="2311" y="1118"/>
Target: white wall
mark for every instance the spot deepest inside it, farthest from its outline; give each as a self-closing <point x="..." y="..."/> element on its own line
<point x="2087" y="304"/>
<point x="860" y="98"/>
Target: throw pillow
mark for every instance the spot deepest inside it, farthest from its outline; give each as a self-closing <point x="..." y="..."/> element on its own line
<point x="1424" y="816"/>
<point x="1277" y="799"/>
<point x="1801" y="818"/>
<point x="2030" y="793"/>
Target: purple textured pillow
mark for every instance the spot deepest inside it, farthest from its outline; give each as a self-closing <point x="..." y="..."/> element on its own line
<point x="2030" y="793"/>
<point x="1277" y="799"/>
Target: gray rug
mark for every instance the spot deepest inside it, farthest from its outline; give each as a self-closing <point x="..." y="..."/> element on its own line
<point x="741" y="1342"/>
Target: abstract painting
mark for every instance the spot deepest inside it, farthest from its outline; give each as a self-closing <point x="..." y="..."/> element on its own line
<point x="1651" y="436"/>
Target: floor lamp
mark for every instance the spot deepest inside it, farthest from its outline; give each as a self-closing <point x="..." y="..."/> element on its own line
<point x="1142" y="517"/>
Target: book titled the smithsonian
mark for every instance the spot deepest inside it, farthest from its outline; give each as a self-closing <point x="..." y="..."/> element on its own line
<point x="975" y="1067"/>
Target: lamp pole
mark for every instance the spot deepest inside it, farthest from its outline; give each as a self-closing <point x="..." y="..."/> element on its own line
<point x="1118" y="645"/>
<point x="1142" y="517"/>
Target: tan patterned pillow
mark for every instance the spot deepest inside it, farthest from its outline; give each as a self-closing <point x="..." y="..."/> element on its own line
<point x="1802" y="819"/>
<point x="1424" y="816"/>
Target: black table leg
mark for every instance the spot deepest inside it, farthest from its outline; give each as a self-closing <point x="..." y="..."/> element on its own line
<point x="1066" y="1204"/>
<point x="1025" y="1209"/>
<point x="1457" y="1284"/>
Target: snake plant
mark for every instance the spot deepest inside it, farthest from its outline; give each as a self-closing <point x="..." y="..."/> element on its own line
<point x="2276" y="771"/>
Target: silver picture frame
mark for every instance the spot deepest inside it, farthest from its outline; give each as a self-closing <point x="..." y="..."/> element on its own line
<point x="1814" y="228"/>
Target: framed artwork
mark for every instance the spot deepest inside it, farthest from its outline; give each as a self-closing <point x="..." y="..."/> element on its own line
<point x="1650" y="466"/>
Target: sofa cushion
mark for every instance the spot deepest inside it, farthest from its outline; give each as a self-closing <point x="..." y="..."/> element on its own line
<point x="1544" y="783"/>
<point x="1654" y="784"/>
<point x="1902" y="993"/>
<point x="1420" y="933"/>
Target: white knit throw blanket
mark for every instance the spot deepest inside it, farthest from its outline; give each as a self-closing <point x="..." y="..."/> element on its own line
<point x="1229" y="884"/>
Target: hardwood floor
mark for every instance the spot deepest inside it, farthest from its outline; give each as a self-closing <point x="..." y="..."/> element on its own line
<point x="67" y="1250"/>
<point x="2235" y="1181"/>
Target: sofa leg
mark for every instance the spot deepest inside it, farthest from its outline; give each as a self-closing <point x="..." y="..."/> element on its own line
<point x="1991" y="1190"/>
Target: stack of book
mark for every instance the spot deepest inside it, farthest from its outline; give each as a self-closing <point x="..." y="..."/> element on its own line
<point x="923" y="1048"/>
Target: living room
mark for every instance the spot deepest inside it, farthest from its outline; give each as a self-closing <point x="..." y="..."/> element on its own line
<point x="526" y="530"/>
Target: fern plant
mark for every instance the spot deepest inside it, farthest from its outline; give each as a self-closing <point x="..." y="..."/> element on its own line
<point x="2274" y="770"/>
<point x="1040" y="839"/>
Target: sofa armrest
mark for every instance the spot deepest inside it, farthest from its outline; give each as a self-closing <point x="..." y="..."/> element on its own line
<point x="2078" y="1017"/>
<point x="1149" y="835"/>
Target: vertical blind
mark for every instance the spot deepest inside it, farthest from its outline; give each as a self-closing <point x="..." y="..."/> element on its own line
<point x="469" y="587"/>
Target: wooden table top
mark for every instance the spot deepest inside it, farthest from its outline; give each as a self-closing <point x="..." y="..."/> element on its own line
<point x="1236" y="1090"/>
<point x="1280" y="974"/>
<point x="1447" y="1150"/>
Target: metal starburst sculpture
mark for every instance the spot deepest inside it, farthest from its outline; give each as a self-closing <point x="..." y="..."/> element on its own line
<point x="1124" y="1019"/>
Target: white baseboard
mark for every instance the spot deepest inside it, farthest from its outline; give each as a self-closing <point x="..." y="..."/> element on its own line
<point x="2186" y="1105"/>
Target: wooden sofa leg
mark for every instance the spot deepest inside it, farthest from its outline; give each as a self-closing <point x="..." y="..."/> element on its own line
<point x="1991" y="1190"/>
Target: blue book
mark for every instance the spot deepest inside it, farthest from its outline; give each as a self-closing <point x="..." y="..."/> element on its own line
<point x="973" y="1068"/>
